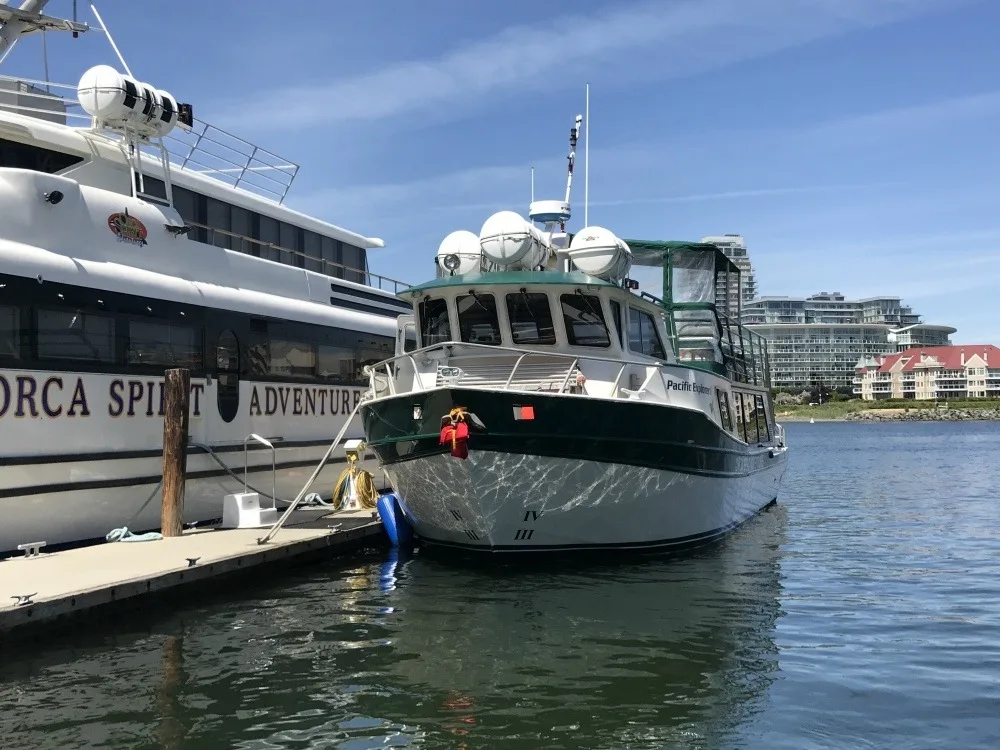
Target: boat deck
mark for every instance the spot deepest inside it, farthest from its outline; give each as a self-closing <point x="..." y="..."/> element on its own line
<point x="72" y="582"/>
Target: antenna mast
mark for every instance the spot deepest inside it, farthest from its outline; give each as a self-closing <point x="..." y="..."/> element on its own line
<point x="586" y="162"/>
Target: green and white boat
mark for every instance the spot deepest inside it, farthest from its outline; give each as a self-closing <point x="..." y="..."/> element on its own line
<point x="549" y="405"/>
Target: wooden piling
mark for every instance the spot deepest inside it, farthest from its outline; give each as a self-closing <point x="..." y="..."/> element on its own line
<point x="177" y="394"/>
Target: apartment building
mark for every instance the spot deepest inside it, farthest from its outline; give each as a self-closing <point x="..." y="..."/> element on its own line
<point x="933" y="372"/>
<point x="819" y="340"/>
<point x="742" y="290"/>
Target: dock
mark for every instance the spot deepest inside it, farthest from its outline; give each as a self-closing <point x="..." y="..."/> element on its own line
<point x="54" y="588"/>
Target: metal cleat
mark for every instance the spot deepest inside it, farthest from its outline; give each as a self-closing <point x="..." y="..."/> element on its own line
<point x="192" y="561"/>
<point x="23" y="599"/>
<point x="32" y="549"/>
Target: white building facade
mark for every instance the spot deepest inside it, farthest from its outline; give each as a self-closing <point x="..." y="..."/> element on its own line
<point x="819" y="340"/>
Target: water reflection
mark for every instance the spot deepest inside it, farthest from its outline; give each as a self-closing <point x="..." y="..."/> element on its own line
<point x="401" y="651"/>
<point x="650" y="652"/>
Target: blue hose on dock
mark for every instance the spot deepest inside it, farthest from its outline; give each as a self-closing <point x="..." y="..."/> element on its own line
<point x="397" y="528"/>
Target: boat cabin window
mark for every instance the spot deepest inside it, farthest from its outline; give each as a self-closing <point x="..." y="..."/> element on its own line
<point x="741" y="417"/>
<point x="584" y="320"/>
<point x="643" y="338"/>
<point x="65" y="334"/>
<point x="530" y="318"/>
<point x="616" y="313"/>
<point x="435" y="328"/>
<point x="760" y="416"/>
<point x="10" y="333"/>
<point x="724" y="414"/>
<point x="164" y="344"/>
<point x="23" y="156"/>
<point x="291" y="359"/>
<point x="477" y="318"/>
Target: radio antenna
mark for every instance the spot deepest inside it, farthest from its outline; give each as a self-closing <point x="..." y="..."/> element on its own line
<point x="586" y="161"/>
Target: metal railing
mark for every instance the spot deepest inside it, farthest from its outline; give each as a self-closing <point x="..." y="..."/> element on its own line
<point x="203" y="149"/>
<point x="339" y="270"/>
<point x="386" y="366"/>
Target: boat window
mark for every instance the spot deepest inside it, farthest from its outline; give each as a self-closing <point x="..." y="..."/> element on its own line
<point x="763" y="429"/>
<point x="477" y="318"/>
<point x="584" y="320"/>
<point x="530" y="318"/>
<point x="724" y="414"/>
<point x="164" y="344"/>
<point x="292" y="359"/>
<point x="36" y="158"/>
<point x="616" y="313"/>
<point x="741" y="421"/>
<point x="336" y="363"/>
<point x="643" y="337"/>
<point x="65" y="334"/>
<point x="435" y="328"/>
<point x="10" y="333"/>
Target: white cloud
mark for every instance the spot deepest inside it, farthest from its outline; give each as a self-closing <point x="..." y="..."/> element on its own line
<point x="643" y="40"/>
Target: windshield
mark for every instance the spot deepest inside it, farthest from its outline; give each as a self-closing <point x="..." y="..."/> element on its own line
<point x="530" y="318"/>
<point x="477" y="319"/>
<point x="435" y="327"/>
<point x="584" y="320"/>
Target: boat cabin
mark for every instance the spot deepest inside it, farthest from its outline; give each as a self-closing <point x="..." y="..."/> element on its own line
<point x="571" y="313"/>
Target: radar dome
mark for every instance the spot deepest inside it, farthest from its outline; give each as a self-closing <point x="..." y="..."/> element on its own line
<point x="119" y="100"/>
<point x="508" y="240"/>
<point x="598" y="252"/>
<point x="458" y="253"/>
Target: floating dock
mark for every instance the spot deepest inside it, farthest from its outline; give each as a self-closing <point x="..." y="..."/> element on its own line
<point x="52" y="588"/>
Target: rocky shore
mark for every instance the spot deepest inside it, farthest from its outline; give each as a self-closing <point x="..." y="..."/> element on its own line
<point x="924" y="415"/>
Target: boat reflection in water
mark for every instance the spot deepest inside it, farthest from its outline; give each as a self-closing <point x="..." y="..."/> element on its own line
<point x="660" y="651"/>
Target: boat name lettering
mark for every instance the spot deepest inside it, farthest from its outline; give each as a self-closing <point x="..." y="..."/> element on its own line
<point x="127" y="228"/>
<point x="302" y="400"/>
<point x="54" y="396"/>
<point x="685" y="385"/>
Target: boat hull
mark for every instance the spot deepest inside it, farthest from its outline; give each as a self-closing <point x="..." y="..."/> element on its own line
<point x="82" y="498"/>
<point x="581" y="474"/>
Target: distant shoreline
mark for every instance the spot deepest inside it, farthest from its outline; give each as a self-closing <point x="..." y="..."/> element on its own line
<point x="900" y="415"/>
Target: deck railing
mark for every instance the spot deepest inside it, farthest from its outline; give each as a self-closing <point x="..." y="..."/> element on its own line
<point x="245" y="244"/>
<point x="203" y="149"/>
<point x="375" y="371"/>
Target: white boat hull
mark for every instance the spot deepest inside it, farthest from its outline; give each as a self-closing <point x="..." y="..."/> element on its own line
<point x="510" y="502"/>
<point x="79" y="501"/>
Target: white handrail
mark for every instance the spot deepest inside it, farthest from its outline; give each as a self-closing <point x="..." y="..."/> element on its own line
<point x="312" y="478"/>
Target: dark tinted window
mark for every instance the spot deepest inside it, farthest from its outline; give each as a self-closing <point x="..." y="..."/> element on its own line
<point x="314" y="250"/>
<point x="530" y="318"/>
<point x="477" y="319"/>
<point x="724" y="412"/>
<point x="760" y="414"/>
<point x="164" y="344"/>
<point x="10" y="333"/>
<point x="584" y="320"/>
<point x="337" y="363"/>
<point x="21" y="156"/>
<point x="292" y="359"/>
<point x="332" y="256"/>
<point x="434" y="325"/>
<point x="65" y="334"/>
<point x="642" y="335"/>
<point x="741" y="421"/>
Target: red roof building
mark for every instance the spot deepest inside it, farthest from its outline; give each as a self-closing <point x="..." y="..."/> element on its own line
<point x="931" y="372"/>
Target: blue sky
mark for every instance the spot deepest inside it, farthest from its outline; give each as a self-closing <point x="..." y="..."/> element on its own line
<point x="854" y="143"/>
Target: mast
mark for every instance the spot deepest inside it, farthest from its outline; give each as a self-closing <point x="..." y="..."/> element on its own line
<point x="28" y="19"/>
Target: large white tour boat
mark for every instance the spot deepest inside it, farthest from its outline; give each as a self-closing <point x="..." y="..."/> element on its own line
<point x="135" y="239"/>
<point x="551" y="406"/>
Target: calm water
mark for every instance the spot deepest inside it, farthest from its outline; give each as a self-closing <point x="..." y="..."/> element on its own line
<point x="863" y="611"/>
